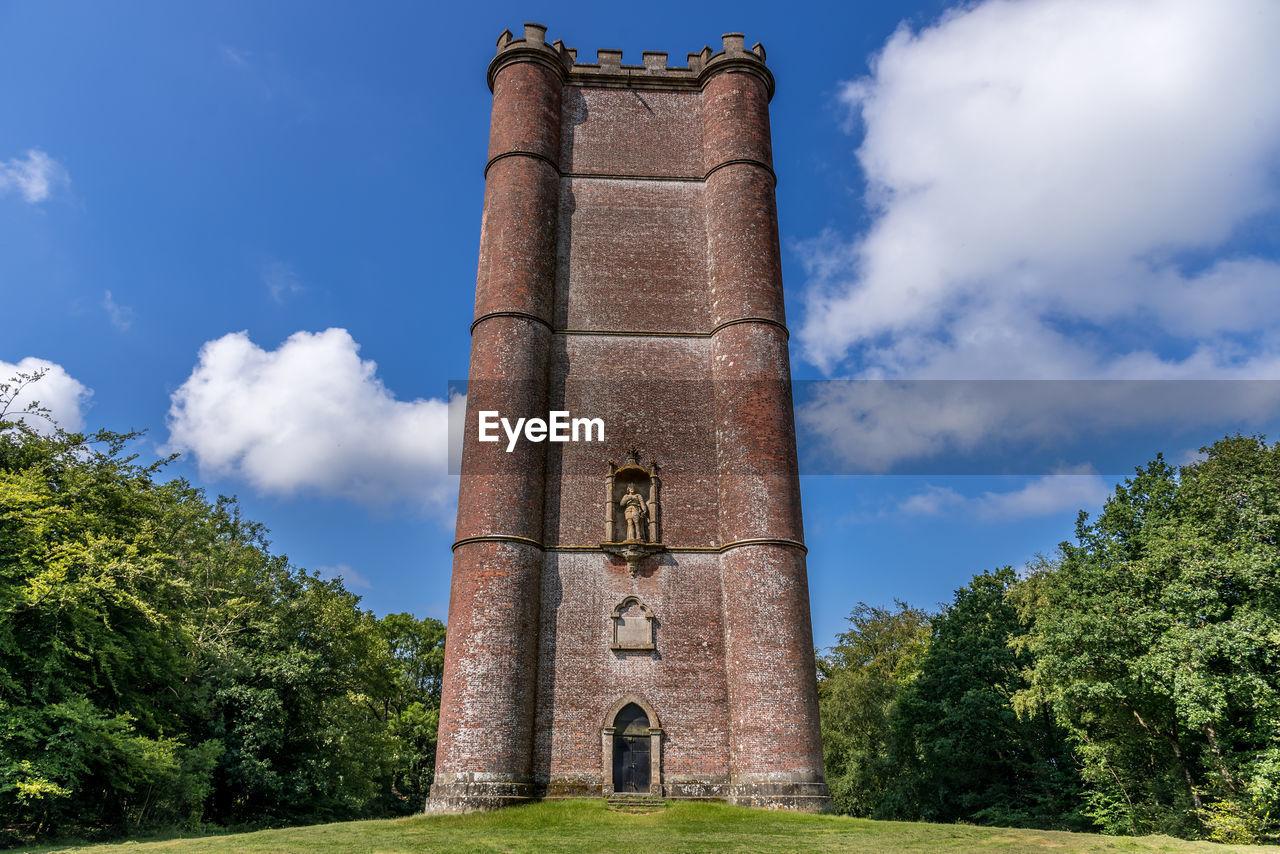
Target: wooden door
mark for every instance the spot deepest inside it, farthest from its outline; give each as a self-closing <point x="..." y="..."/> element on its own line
<point x="631" y="750"/>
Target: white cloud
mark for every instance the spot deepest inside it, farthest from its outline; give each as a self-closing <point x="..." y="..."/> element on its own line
<point x="934" y="501"/>
<point x="281" y="281"/>
<point x="121" y="316"/>
<point x="1041" y="496"/>
<point x="310" y="416"/>
<point x="33" y="177"/>
<point x="1021" y="426"/>
<point x="350" y="578"/>
<point x="65" y="397"/>
<point x="1039" y="174"/>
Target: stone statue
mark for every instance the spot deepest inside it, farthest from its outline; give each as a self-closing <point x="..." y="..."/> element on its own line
<point x="634" y="511"/>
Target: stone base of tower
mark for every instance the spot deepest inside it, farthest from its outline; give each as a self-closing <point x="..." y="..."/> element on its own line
<point x="459" y="796"/>
<point x="471" y="795"/>
<point x="803" y="794"/>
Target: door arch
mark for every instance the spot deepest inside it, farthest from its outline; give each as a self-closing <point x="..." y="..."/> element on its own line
<point x="632" y="748"/>
<point x="631" y="761"/>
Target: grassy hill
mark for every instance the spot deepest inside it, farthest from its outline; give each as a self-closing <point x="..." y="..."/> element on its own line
<point x="590" y="827"/>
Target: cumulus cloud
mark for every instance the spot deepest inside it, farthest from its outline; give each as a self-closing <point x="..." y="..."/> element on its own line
<point x="1046" y="169"/>
<point x="32" y="177"/>
<point x="1058" y="190"/>
<point x="65" y="397"/>
<point x="313" y="416"/>
<point x="1040" y="496"/>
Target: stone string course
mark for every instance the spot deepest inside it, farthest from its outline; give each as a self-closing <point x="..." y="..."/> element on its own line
<point x="629" y="269"/>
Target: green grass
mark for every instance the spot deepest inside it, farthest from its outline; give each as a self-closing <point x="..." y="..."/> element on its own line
<point x="590" y="827"/>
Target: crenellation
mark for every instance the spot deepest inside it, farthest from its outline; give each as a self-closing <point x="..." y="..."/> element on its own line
<point x="609" y="60"/>
<point x="655" y="61"/>
<point x="655" y="71"/>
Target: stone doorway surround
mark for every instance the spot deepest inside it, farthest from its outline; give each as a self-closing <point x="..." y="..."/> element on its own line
<point x="607" y="732"/>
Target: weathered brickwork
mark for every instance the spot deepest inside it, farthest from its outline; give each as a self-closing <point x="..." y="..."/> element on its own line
<point x="632" y="132"/>
<point x="581" y="677"/>
<point x="649" y="393"/>
<point x="610" y="232"/>
<point x="629" y="269"/>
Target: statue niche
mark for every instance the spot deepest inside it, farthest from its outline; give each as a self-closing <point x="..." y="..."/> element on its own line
<point x="632" y="526"/>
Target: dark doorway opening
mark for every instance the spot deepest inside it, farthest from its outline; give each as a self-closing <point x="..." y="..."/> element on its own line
<point x="631" y="750"/>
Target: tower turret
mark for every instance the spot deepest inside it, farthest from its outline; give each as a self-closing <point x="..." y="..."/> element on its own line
<point x="484" y="753"/>
<point x="775" y="746"/>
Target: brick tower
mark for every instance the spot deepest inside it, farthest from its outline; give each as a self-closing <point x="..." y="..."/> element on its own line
<point x="630" y="615"/>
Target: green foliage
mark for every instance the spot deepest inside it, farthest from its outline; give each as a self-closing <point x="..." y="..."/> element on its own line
<point x="860" y="680"/>
<point x="1131" y="683"/>
<point x="918" y="720"/>
<point x="1157" y="643"/>
<point x="160" y="667"/>
<point x="1235" y="820"/>
<point x="411" y="701"/>
<point x="962" y="751"/>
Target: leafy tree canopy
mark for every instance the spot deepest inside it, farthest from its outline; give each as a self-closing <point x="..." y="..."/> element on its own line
<point x="860" y="680"/>
<point x="1157" y="643"/>
<point x="160" y="666"/>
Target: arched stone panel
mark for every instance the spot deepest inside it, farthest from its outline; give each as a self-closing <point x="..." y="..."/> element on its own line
<point x="632" y="627"/>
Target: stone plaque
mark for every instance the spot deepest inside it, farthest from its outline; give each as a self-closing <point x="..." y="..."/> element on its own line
<point x="632" y="626"/>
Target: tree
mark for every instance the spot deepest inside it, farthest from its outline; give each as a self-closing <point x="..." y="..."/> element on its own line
<point x="411" y="703"/>
<point x="963" y="751"/>
<point x="90" y="650"/>
<point x="159" y="666"/>
<point x="1157" y="643"/>
<point x="860" y="680"/>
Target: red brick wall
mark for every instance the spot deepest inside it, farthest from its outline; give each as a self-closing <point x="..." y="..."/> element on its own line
<point x="632" y="256"/>
<point x="632" y="132"/>
<point x="486" y="708"/>
<point x="651" y="394"/>
<point x="579" y="677"/>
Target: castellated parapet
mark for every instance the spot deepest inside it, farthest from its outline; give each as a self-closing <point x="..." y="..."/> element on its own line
<point x="630" y="615"/>
<point x="608" y="70"/>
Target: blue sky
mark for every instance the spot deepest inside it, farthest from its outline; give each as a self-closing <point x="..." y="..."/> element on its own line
<point x="251" y="229"/>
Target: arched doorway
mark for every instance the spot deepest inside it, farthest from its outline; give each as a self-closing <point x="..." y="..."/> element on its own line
<point x="631" y="750"/>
